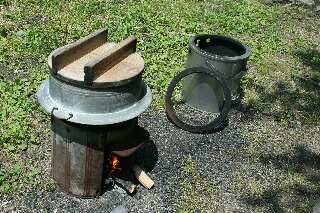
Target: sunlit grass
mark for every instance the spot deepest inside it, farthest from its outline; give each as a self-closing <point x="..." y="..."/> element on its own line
<point x="283" y="70"/>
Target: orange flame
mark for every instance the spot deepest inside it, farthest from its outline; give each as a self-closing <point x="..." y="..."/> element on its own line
<point x="113" y="165"/>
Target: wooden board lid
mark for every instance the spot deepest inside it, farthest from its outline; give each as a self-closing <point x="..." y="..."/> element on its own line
<point x="93" y="62"/>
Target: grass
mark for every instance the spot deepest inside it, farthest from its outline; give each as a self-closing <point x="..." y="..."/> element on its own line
<point x="283" y="174"/>
<point x="198" y="193"/>
<point x="282" y="83"/>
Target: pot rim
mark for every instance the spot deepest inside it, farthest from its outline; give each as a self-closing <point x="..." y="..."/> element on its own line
<point x="205" y="54"/>
<point x="61" y="112"/>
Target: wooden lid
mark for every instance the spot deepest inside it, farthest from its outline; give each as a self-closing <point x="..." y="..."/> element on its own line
<point x="93" y="62"/>
<point x="125" y="69"/>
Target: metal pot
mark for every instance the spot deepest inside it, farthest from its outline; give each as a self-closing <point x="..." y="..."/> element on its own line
<point x="223" y="55"/>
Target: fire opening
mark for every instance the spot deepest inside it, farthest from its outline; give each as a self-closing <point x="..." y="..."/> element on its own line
<point x="113" y="165"/>
<point x="125" y="172"/>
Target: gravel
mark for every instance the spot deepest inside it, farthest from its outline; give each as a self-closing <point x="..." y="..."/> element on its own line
<point x="227" y="158"/>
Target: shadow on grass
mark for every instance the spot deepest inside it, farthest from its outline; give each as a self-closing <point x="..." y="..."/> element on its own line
<point x="302" y="165"/>
<point x="299" y="161"/>
<point x="310" y="58"/>
<point x="300" y="102"/>
<point x="270" y="198"/>
<point x="303" y="162"/>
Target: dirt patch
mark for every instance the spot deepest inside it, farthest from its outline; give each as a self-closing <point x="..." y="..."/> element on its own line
<point x="7" y="74"/>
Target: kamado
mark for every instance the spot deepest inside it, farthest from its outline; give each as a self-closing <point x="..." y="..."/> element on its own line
<point x="95" y="94"/>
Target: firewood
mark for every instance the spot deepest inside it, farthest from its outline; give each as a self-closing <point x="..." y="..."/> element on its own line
<point x="142" y="177"/>
<point x="126" y="185"/>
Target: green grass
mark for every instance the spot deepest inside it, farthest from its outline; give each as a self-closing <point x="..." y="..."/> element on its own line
<point x="282" y="83"/>
<point x="199" y="194"/>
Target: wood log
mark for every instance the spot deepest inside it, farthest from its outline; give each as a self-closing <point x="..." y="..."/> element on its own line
<point x="142" y="177"/>
<point x="126" y="185"/>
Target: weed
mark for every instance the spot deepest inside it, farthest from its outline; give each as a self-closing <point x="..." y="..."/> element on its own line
<point x="10" y="180"/>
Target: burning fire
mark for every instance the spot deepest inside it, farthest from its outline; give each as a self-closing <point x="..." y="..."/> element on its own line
<point x="113" y="165"/>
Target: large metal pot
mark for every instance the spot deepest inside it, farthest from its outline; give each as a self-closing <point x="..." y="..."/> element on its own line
<point x="224" y="56"/>
<point x="94" y="106"/>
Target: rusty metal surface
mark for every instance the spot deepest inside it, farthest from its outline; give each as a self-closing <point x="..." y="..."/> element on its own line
<point x="183" y="121"/>
<point x="78" y="154"/>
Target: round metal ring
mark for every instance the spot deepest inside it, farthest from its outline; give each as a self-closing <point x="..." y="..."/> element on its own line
<point x="224" y="109"/>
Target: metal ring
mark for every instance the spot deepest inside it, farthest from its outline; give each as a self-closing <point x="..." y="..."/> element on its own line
<point x="225" y="108"/>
